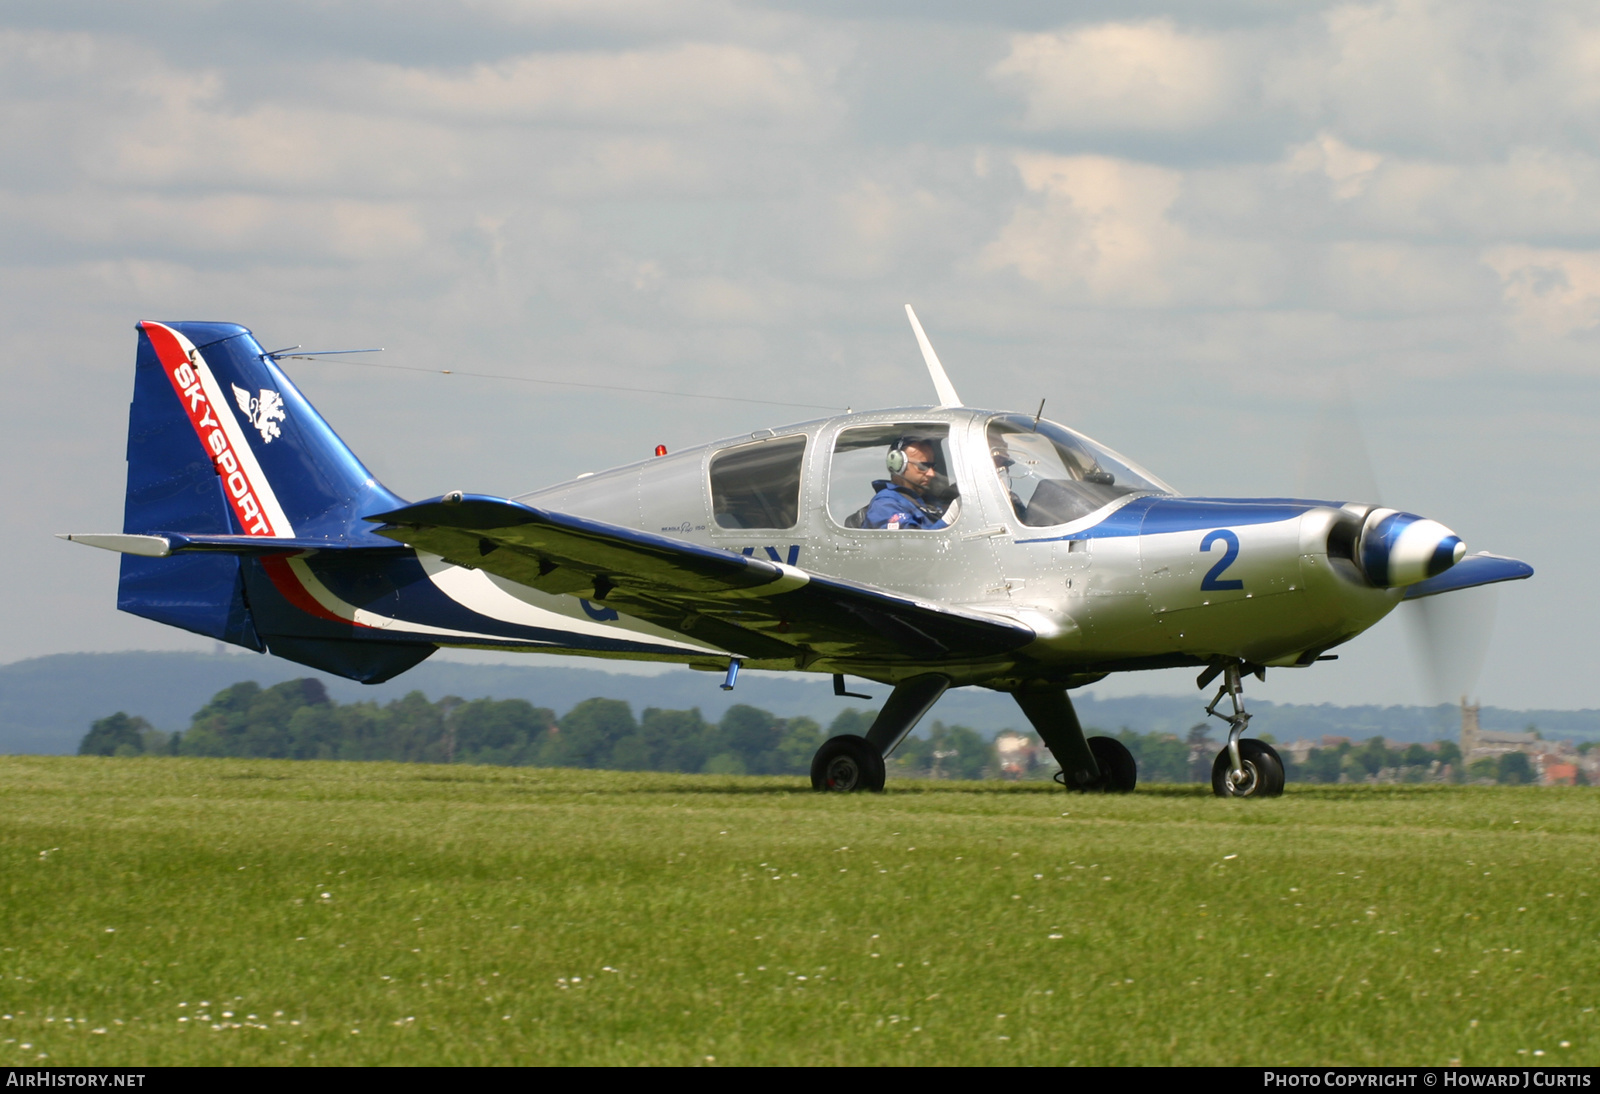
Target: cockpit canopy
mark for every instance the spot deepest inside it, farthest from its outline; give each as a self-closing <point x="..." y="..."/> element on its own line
<point x="1054" y="475"/>
<point x="837" y="468"/>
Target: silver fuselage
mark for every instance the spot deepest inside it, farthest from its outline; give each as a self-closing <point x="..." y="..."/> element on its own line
<point x="1125" y="587"/>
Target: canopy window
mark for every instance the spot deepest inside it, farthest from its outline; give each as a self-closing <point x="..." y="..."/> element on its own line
<point x="1055" y="476"/>
<point x="758" y="485"/>
<point x="860" y="467"/>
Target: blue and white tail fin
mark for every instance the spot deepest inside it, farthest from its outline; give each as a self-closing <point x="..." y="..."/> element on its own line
<point x="226" y="459"/>
<point x="221" y="442"/>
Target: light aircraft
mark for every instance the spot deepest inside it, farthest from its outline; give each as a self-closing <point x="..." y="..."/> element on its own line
<point x="1053" y="561"/>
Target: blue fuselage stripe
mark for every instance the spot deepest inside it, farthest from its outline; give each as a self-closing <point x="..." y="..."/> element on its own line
<point x="1157" y="515"/>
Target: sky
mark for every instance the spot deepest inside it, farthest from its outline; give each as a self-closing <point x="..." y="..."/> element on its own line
<point x="1263" y="249"/>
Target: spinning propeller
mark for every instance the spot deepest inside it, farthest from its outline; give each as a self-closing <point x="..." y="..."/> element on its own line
<point x="1448" y="634"/>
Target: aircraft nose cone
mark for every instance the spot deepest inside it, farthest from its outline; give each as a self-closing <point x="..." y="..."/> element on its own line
<point x="1399" y="549"/>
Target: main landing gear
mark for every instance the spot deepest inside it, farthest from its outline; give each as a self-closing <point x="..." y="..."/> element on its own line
<point x="850" y="763"/>
<point x="1087" y="764"/>
<point x="1246" y="767"/>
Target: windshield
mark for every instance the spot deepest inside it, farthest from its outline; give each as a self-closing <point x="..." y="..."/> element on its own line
<point x="1054" y="475"/>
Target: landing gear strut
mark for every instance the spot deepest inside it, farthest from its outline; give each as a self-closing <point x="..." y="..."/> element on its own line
<point x="1245" y="768"/>
<point x="849" y="763"/>
<point x="1087" y="764"/>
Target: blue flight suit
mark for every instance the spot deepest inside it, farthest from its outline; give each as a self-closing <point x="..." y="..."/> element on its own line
<point x="898" y="507"/>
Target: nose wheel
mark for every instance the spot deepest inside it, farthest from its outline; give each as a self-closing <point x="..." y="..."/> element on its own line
<point x="1245" y="768"/>
<point x="1260" y="774"/>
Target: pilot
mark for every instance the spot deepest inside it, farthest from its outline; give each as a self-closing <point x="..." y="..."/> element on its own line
<point x="903" y="500"/>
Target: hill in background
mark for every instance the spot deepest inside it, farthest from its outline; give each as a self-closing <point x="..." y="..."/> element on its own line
<point x="48" y="703"/>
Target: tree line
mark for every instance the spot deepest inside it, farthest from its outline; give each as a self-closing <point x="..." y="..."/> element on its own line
<point x="296" y="720"/>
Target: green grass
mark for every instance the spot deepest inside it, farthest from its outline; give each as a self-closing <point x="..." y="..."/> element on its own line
<point x="483" y="915"/>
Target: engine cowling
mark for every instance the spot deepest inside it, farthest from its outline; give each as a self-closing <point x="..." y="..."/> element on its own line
<point x="1396" y="549"/>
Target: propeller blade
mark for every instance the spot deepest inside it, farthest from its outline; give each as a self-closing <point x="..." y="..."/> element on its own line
<point x="1336" y="465"/>
<point x="1450" y="637"/>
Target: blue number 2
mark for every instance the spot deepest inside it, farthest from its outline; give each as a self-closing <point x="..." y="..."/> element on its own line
<point x="1211" y="582"/>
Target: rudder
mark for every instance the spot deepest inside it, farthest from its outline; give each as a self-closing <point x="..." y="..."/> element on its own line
<point x="220" y="441"/>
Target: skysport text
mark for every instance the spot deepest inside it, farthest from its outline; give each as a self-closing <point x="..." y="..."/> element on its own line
<point x="1517" y="1079"/>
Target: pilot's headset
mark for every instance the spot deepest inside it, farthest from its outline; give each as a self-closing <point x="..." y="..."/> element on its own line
<point x="897" y="461"/>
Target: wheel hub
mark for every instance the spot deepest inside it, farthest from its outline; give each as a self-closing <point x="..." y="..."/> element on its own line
<point x="843" y="774"/>
<point x="1243" y="784"/>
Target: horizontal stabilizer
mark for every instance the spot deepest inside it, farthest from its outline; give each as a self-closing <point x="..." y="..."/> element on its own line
<point x="1472" y="571"/>
<point x="166" y="544"/>
<point x="148" y="546"/>
<point x="754" y="607"/>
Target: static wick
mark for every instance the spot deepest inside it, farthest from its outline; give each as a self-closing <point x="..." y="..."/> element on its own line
<point x="1037" y="416"/>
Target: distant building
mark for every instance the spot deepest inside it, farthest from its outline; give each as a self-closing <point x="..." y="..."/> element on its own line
<point x="1469" y="729"/>
<point x="1560" y="774"/>
<point x="1300" y="751"/>
<point x="1018" y="753"/>
<point x="1477" y="742"/>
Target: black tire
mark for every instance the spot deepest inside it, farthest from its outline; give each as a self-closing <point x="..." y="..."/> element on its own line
<point x="846" y="765"/>
<point x="1118" y="771"/>
<point x="1279" y="759"/>
<point x="1263" y="772"/>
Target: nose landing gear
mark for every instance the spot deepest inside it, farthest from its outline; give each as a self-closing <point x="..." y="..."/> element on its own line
<point x="1245" y="768"/>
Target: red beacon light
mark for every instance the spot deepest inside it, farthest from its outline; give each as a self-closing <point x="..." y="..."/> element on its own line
<point x="661" y="450"/>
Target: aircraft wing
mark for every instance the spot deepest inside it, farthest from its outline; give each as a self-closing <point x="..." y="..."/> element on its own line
<point x="753" y="607"/>
<point x="1470" y="572"/>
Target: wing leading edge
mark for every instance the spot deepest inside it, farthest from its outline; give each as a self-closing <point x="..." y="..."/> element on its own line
<point x="762" y="610"/>
<point x="1472" y="571"/>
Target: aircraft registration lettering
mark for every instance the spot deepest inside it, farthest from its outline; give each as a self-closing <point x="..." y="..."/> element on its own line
<point x="793" y="558"/>
<point x="602" y="615"/>
<point x="1213" y="581"/>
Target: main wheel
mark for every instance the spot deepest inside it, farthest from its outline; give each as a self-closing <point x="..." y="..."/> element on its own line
<point x="1118" y="771"/>
<point x="847" y="764"/>
<point x="1263" y="772"/>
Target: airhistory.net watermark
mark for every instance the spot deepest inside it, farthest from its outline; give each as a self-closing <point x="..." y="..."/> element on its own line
<point x="50" y="1077"/>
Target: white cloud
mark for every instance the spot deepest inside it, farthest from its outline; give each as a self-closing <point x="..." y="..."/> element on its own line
<point x="1347" y="169"/>
<point x="254" y="225"/>
<point x="1142" y="76"/>
<point x="1099" y="225"/>
<point x="694" y="83"/>
<point x="1397" y="278"/>
<point x="1463" y="76"/>
<point x="876" y="222"/>
<point x="1550" y="292"/>
<point x="1102" y="229"/>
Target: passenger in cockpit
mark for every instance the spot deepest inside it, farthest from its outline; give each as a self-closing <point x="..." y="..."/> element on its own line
<point x="1003" y="462"/>
<point x="903" y="500"/>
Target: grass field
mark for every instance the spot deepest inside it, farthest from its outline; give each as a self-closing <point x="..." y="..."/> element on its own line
<point x="172" y="911"/>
